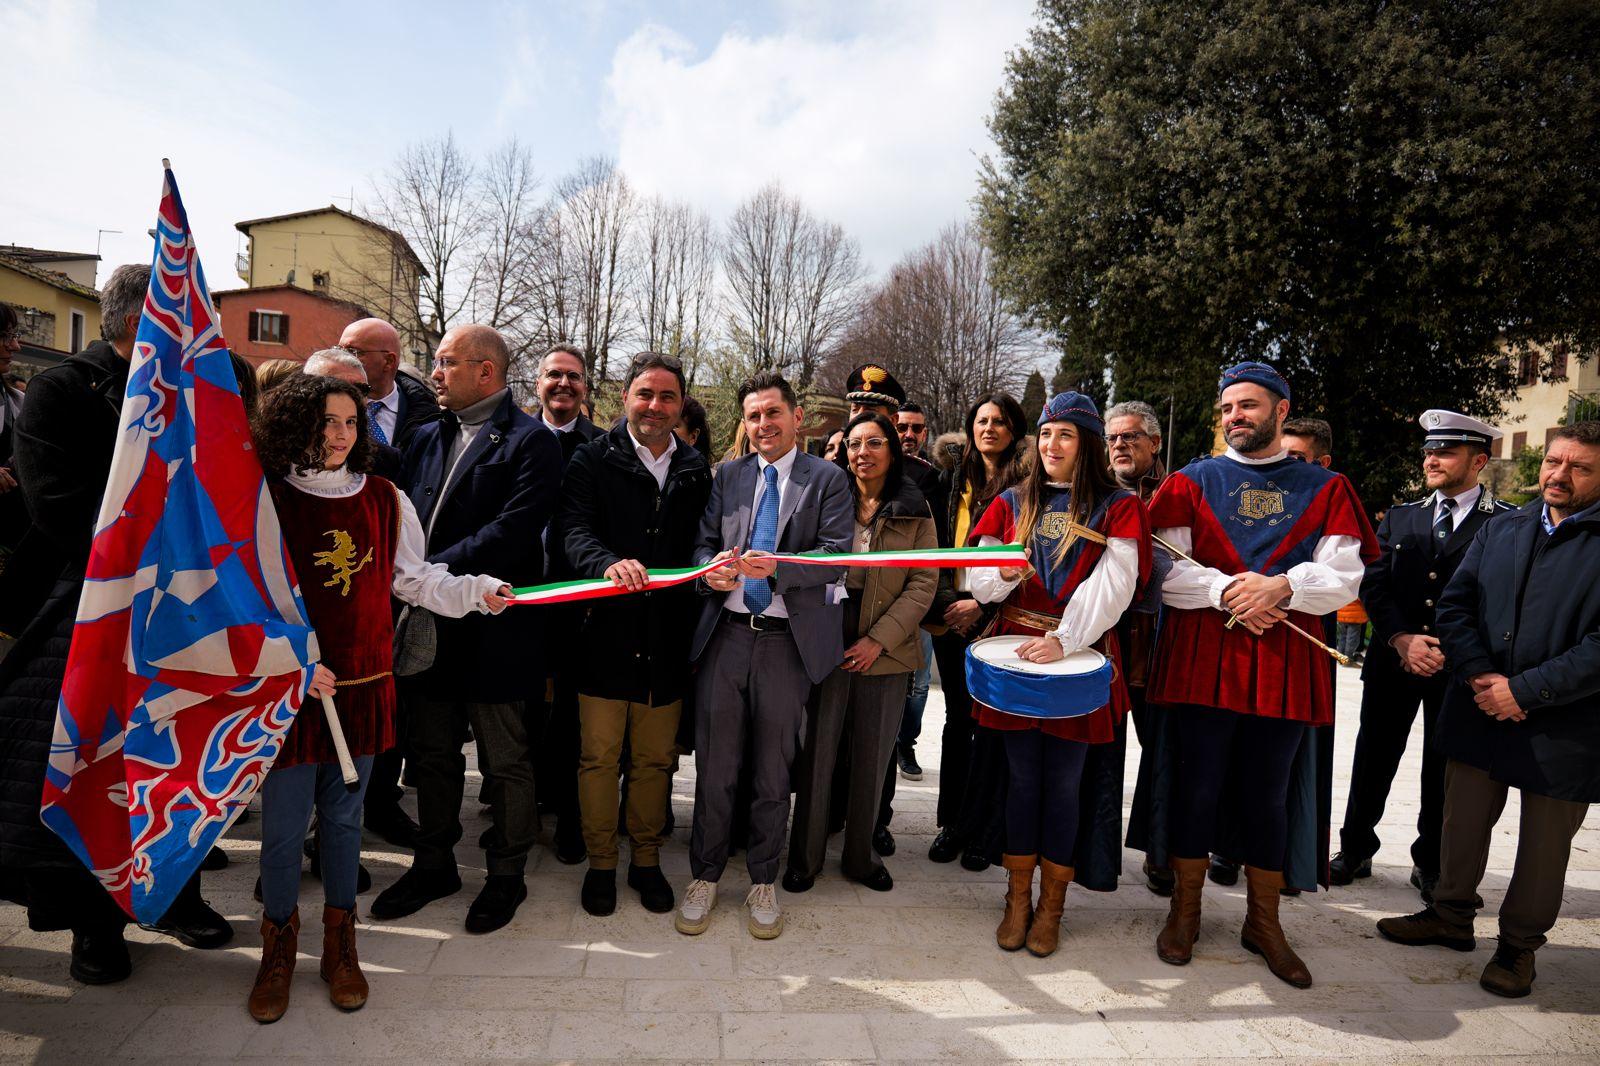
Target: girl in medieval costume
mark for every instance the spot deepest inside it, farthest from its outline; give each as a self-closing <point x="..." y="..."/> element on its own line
<point x="1089" y="545"/>
<point x="353" y="538"/>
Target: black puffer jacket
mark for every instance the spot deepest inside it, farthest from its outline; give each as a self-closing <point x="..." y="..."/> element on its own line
<point x="65" y="439"/>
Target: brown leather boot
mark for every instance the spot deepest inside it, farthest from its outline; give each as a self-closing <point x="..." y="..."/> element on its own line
<point x="1263" y="935"/>
<point x="279" y="943"/>
<point x="347" y="986"/>
<point x="1013" y="929"/>
<point x="1175" y="944"/>
<point x="1045" y="932"/>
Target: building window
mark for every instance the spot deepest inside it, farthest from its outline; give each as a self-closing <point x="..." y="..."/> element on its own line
<point x="319" y="280"/>
<point x="1519" y="441"/>
<point x="75" y="341"/>
<point x="269" y="327"/>
<point x="1527" y="368"/>
<point x="1496" y="447"/>
<point x="1558" y="362"/>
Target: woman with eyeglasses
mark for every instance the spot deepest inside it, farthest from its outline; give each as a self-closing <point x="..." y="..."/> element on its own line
<point x="971" y="763"/>
<point x="1088" y="544"/>
<point x="866" y="694"/>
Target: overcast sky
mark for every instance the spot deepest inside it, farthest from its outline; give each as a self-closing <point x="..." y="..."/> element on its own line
<point x="872" y="111"/>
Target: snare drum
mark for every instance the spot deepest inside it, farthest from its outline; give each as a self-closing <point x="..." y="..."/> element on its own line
<point x="1077" y="684"/>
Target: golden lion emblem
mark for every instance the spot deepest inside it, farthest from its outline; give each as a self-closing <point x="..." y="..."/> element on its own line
<point x="341" y="559"/>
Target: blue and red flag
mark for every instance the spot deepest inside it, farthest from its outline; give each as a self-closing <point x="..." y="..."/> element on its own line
<point x="192" y="651"/>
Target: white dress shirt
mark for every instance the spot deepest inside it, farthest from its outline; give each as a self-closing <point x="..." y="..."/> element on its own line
<point x="657" y="467"/>
<point x="388" y="414"/>
<point x="553" y="428"/>
<point x="1464" y="504"/>
<point x="416" y="581"/>
<point x="1094" y="606"/>
<point x="1326" y="583"/>
<point x="735" y="599"/>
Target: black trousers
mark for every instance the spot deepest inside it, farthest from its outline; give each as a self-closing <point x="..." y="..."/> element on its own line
<point x="1389" y="703"/>
<point x="1246" y="759"/>
<point x="1042" y="807"/>
<point x="955" y="756"/>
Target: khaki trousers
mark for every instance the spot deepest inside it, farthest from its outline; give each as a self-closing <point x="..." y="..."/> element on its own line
<point x="1472" y="805"/>
<point x="651" y="734"/>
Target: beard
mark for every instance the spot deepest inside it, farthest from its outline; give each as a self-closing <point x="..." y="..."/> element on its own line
<point x="1258" y="438"/>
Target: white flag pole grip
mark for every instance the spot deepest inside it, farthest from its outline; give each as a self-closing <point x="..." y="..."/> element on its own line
<point x="347" y="766"/>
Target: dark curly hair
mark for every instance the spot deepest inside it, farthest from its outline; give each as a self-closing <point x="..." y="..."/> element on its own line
<point x="288" y="426"/>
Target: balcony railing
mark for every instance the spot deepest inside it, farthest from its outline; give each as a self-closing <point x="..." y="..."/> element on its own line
<point x="1583" y="406"/>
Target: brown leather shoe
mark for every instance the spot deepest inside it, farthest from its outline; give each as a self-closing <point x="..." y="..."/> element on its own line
<point x="1427" y="926"/>
<point x="279" y="943"/>
<point x="1263" y="935"/>
<point x="1013" y="929"/>
<point x="1175" y="943"/>
<point x="1045" y="932"/>
<point x="1510" y="973"/>
<point x="347" y="986"/>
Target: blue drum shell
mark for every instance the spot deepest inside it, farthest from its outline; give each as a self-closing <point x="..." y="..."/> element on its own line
<point x="1038" y="695"/>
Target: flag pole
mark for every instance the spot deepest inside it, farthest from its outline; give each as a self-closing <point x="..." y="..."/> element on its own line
<point x="347" y="766"/>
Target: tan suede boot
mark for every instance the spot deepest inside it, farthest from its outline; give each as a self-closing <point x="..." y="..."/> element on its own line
<point x="279" y="944"/>
<point x="1013" y="929"/>
<point x="1263" y="935"/>
<point x="347" y="986"/>
<point x="1175" y="944"/>
<point x="1045" y="932"/>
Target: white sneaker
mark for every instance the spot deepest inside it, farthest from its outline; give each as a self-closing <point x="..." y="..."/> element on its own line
<point x="694" y="913"/>
<point x="766" y="920"/>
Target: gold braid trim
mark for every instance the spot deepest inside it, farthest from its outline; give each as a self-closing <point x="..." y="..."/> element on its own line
<point x="1044" y="623"/>
<point x="362" y="680"/>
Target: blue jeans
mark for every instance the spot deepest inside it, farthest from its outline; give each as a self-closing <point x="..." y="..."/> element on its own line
<point x="287" y="797"/>
<point x="917" y="694"/>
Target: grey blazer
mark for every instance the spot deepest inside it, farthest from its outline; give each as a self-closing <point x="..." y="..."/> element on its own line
<point x="817" y="514"/>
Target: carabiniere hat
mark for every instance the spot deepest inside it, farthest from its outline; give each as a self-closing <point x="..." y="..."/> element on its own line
<point x="873" y="384"/>
<point x="1446" y="429"/>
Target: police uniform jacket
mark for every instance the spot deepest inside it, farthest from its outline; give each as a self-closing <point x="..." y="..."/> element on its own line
<point x="1401" y="589"/>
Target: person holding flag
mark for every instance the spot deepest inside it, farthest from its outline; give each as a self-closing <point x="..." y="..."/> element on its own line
<point x="1089" y="545"/>
<point x="356" y="539"/>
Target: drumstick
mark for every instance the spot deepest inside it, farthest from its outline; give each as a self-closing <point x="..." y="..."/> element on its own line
<point x="347" y="766"/>
<point x="1341" y="657"/>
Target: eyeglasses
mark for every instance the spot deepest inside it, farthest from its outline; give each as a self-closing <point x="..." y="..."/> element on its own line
<point x="10" y="335"/>
<point x="855" y="444"/>
<point x="451" y="364"/>
<point x="1133" y="437"/>
<point x="915" y="431"/>
<point x="556" y="377"/>
<point x="359" y="352"/>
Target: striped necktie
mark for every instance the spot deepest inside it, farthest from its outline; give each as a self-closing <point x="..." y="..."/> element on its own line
<point x="1445" y="524"/>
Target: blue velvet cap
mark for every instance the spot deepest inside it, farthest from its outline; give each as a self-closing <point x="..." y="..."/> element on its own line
<point x="1261" y="374"/>
<point x="1076" y="408"/>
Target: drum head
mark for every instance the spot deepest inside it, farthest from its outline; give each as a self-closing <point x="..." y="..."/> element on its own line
<point x="1001" y="653"/>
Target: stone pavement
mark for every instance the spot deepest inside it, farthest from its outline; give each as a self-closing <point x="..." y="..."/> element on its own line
<point x="909" y="975"/>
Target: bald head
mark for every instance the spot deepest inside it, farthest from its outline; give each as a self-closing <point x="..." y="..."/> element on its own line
<point x="471" y="365"/>
<point x="377" y="345"/>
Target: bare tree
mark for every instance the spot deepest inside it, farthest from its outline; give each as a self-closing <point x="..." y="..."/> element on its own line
<point x="939" y="324"/>
<point x="794" y="284"/>
<point x="675" y="282"/>
<point x="596" y="210"/>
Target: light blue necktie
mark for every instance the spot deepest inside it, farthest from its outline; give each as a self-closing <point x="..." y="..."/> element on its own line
<point x="763" y="537"/>
<point x="373" y="407"/>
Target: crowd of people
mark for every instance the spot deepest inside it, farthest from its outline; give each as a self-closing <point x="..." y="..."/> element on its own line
<point x="411" y="513"/>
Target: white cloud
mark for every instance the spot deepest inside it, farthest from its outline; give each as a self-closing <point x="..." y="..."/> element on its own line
<point x="873" y="114"/>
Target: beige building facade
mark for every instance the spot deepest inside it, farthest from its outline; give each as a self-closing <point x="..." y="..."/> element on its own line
<point x="58" y="314"/>
<point x="1570" y="392"/>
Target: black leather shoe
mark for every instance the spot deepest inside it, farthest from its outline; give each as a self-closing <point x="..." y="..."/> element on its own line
<point x="193" y="923"/>
<point x="945" y="847"/>
<point x="1424" y="883"/>
<point x="975" y="860"/>
<point x="1159" y="879"/>
<point x="793" y="882"/>
<point x="498" y="902"/>
<point x="879" y="881"/>
<point x="599" y="895"/>
<point x="1426" y="927"/>
<point x="883" y="841"/>
<point x="1343" y="869"/>
<point x="392" y="825"/>
<point x="654" y="891"/>
<point x="1223" y="872"/>
<point x="99" y="956"/>
<point x="910" y="769"/>
<point x="216" y="859"/>
<point x="414" y="891"/>
<point x="570" y="849"/>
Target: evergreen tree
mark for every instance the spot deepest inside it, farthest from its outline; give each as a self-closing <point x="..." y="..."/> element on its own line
<point x="1033" y="397"/>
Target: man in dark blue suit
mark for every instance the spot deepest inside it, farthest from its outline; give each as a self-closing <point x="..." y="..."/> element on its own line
<point x="768" y="631"/>
<point x="484" y="480"/>
<point x="1423" y="544"/>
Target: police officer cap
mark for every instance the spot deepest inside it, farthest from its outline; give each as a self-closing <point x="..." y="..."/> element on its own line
<point x="872" y="384"/>
<point x="1446" y="429"/>
<point x="1262" y="374"/>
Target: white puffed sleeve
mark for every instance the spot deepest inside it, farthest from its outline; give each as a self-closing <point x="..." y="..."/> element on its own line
<point x="1331" y="579"/>
<point x="1189" y="585"/>
<point x="432" y="585"/>
<point x="985" y="582"/>
<point x="1098" y="603"/>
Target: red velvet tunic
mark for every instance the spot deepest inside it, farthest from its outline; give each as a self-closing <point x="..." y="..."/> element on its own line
<point x="343" y="552"/>
<point x="1121" y="517"/>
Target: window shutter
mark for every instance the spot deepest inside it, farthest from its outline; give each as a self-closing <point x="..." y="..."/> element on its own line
<point x="283" y="329"/>
<point x="255" y="325"/>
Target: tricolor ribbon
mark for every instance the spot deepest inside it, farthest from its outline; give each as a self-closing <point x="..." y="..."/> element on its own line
<point x="941" y="558"/>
